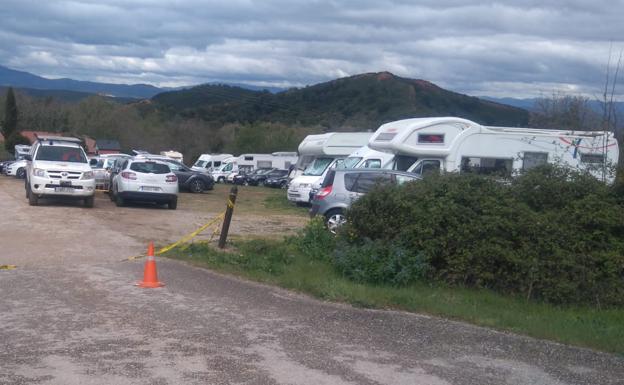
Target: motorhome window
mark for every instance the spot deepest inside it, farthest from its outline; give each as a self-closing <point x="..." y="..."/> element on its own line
<point x="228" y="167"/>
<point x="249" y="158"/>
<point x="304" y="161"/>
<point x="403" y="162"/>
<point x="199" y="163"/>
<point x="318" y="167"/>
<point x="534" y="159"/>
<point x="61" y="154"/>
<point x="245" y="169"/>
<point x="592" y="158"/>
<point x="265" y="164"/>
<point x="427" y="167"/>
<point x="351" y="161"/>
<point x="216" y="163"/>
<point x="430" y="138"/>
<point x="364" y="182"/>
<point x="372" y="163"/>
<point x="487" y="166"/>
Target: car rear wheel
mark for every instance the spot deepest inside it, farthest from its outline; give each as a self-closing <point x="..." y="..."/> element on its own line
<point x="119" y="201"/>
<point x="197" y="186"/>
<point x="284" y="184"/>
<point x="173" y="204"/>
<point x="21" y="173"/>
<point x="334" y="219"/>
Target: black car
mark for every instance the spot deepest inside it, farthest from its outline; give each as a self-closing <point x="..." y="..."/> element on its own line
<point x="250" y="178"/>
<point x="259" y="179"/>
<point x="278" y="180"/>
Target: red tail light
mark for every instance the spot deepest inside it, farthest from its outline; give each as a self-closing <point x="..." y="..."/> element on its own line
<point x="128" y="175"/>
<point x="325" y="191"/>
<point x="172" y="178"/>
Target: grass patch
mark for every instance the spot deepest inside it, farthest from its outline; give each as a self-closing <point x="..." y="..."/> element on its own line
<point x="279" y="262"/>
<point x="280" y="203"/>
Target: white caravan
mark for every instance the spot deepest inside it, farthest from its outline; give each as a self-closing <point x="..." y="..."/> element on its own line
<point x="366" y="157"/>
<point x="210" y="162"/>
<point x="249" y="162"/>
<point x="453" y="144"/>
<point x="317" y="155"/>
<point x="21" y="150"/>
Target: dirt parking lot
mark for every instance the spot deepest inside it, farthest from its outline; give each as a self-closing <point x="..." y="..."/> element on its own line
<point x="65" y="232"/>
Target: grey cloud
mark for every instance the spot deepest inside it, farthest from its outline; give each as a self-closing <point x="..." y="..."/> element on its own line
<point x="465" y="46"/>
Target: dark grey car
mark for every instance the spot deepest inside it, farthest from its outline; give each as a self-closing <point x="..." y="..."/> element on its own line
<point x="341" y="187"/>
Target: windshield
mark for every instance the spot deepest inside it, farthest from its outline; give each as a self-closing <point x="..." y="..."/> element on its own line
<point x="318" y="167"/>
<point x="351" y="161"/>
<point x="200" y="163"/>
<point x="61" y="154"/>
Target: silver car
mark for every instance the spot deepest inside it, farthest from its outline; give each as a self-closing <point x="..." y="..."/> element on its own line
<point x="341" y="187"/>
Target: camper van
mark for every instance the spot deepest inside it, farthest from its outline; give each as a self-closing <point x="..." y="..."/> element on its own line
<point x="249" y="162"/>
<point x="425" y="145"/>
<point x="317" y="155"/>
<point x="21" y="150"/>
<point x="210" y="162"/>
<point x="366" y="157"/>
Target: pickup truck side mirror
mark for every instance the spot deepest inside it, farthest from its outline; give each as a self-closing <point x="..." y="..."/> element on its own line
<point x="28" y="158"/>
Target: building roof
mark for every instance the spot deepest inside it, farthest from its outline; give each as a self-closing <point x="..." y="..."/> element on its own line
<point x="107" y="144"/>
<point x="32" y="137"/>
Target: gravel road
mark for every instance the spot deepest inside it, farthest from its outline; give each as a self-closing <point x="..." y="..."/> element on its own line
<point x="70" y="314"/>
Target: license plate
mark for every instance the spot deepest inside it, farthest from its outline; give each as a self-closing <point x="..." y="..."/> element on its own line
<point x="149" y="188"/>
<point x="64" y="189"/>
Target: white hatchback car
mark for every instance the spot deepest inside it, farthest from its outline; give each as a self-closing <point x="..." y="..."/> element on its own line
<point x="144" y="180"/>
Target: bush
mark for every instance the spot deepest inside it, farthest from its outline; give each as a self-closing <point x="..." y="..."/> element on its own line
<point x="314" y="241"/>
<point x="552" y="234"/>
<point x="380" y="262"/>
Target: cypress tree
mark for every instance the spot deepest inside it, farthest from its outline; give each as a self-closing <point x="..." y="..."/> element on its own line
<point x="9" y="125"/>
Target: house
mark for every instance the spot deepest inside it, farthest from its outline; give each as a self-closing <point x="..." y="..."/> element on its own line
<point x="107" y="146"/>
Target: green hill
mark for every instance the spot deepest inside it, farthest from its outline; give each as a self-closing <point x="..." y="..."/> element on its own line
<point x="358" y="102"/>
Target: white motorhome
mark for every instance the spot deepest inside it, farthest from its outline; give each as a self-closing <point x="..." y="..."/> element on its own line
<point x="366" y="157"/>
<point x="317" y="155"/>
<point x="453" y="144"/>
<point x="249" y="162"/>
<point x="21" y="150"/>
<point x="210" y="162"/>
<point x="175" y="155"/>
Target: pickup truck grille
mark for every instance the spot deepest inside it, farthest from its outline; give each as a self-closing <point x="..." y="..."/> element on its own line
<point x="50" y="185"/>
<point x="70" y="174"/>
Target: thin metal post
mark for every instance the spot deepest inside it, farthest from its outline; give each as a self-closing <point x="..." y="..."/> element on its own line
<point x="228" y="216"/>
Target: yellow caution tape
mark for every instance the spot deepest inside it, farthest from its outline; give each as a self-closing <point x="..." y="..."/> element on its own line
<point x="230" y="204"/>
<point x="191" y="235"/>
<point x="8" y="267"/>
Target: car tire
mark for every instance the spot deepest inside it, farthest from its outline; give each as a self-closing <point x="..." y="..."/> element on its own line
<point x="89" y="202"/>
<point x="334" y="218"/>
<point x="197" y="186"/>
<point x="173" y="204"/>
<point x="284" y="185"/>
<point x="33" y="199"/>
<point x="20" y="173"/>
<point x="27" y="188"/>
<point x="119" y="201"/>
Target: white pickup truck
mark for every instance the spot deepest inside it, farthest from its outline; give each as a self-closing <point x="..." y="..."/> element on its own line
<point x="58" y="166"/>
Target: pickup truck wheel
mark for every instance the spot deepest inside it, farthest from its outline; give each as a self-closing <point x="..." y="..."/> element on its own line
<point x="334" y="219"/>
<point x="173" y="204"/>
<point x="197" y="186"/>
<point x="89" y="202"/>
<point x="27" y="188"/>
<point x="33" y="199"/>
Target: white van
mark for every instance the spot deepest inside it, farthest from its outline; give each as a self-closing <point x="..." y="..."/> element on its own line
<point x="453" y="144"/>
<point x="322" y="153"/>
<point x="210" y="162"/>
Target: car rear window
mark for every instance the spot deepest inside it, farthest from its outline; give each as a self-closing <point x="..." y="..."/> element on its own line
<point x="364" y="182"/>
<point x="150" y="168"/>
<point x="61" y="154"/>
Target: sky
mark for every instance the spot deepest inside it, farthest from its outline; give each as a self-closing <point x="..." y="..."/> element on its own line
<point x="513" y="48"/>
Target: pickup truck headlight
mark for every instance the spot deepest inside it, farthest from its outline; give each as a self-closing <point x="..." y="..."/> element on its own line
<point x="87" y="175"/>
<point x="39" y="172"/>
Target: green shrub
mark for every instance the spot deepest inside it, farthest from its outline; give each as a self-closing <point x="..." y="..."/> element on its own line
<point x="552" y="234"/>
<point x="380" y="262"/>
<point x="314" y="241"/>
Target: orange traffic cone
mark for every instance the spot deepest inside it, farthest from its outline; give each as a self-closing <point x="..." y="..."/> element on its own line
<point x="150" y="276"/>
